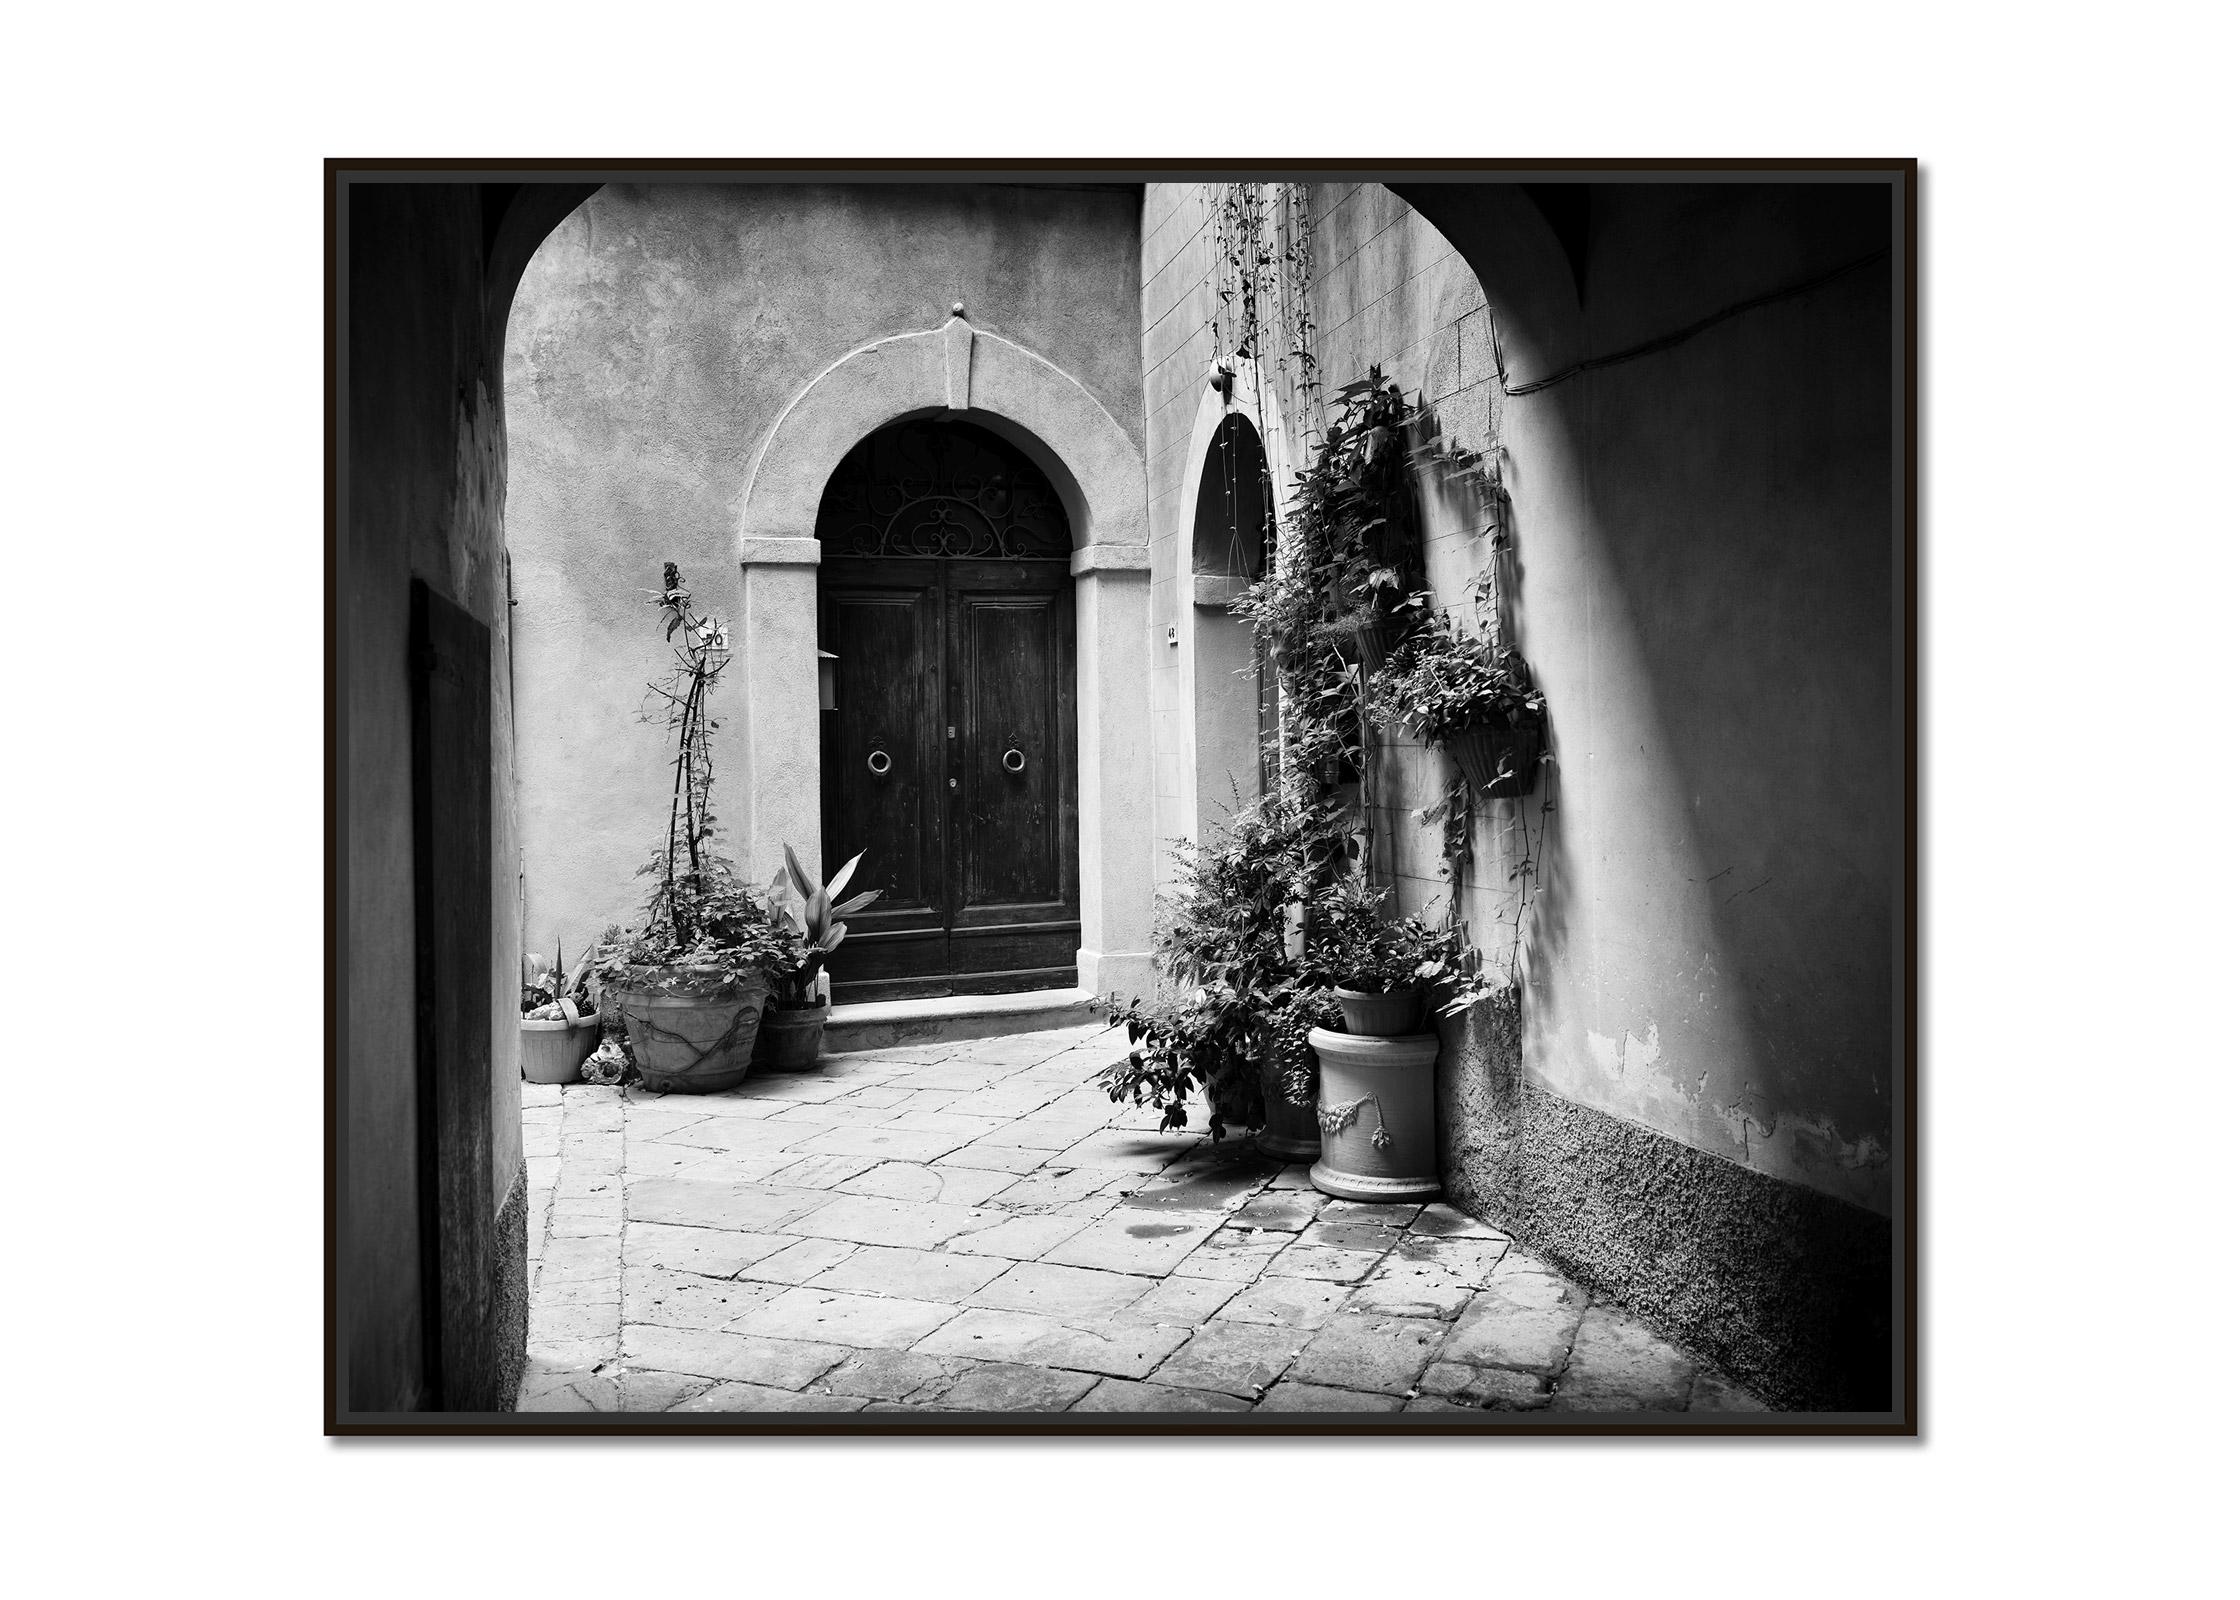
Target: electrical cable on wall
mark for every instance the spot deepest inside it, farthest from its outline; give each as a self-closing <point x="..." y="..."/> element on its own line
<point x="1667" y="341"/>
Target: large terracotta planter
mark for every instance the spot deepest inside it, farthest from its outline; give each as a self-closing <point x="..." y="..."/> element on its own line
<point x="1499" y="760"/>
<point x="791" y="1038"/>
<point x="1289" y="1133"/>
<point x="1377" y="1114"/>
<point x="554" y="1052"/>
<point x="689" y="1040"/>
<point x="1382" y="1016"/>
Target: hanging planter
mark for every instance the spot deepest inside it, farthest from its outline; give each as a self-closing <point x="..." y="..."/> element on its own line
<point x="1377" y="642"/>
<point x="1472" y="696"/>
<point x="1499" y="759"/>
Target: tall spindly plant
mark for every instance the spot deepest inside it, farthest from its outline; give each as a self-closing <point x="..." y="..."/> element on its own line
<point x="703" y="924"/>
<point x="697" y="661"/>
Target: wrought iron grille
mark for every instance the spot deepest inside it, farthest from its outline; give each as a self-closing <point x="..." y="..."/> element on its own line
<point x="924" y="490"/>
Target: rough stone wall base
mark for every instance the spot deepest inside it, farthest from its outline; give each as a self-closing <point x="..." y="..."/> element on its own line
<point x="1786" y="1288"/>
<point x="509" y="1302"/>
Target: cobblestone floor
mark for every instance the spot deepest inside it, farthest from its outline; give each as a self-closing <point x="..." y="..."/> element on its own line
<point x="974" y="1226"/>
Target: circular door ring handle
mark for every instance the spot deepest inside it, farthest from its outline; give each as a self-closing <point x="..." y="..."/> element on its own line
<point x="1014" y="761"/>
<point x="880" y="763"/>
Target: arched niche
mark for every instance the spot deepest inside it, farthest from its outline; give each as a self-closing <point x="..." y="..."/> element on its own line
<point x="1233" y="524"/>
<point x="1232" y="506"/>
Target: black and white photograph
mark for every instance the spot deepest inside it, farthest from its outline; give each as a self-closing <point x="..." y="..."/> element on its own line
<point x="1064" y="800"/>
<point x="1083" y="800"/>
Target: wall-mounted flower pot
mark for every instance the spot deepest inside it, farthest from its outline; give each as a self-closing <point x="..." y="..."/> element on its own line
<point x="791" y="1038"/>
<point x="1376" y="644"/>
<point x="1290" y="1133"/>
<point x="1382" y="1016"/>
<point x="554" y="1052"/>
<point x="1377" y="1115"/>
<point x="692" y="1039"/>
<point x="1499" y="760"/>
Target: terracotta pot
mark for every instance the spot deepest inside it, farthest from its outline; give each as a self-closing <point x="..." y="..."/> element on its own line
<point x="1378" y="1118"/>
<point x="553" y="1052"/>
<point x="689" y="1040"/>
<point x="1290" y="1133"/>
<point x="1382" y="1016"/>
<point x="791" y="1038"/>
<point x="1482" y="753"/>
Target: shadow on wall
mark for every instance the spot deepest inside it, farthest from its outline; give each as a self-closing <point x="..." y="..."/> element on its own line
<point x="1704" y="583"/>
<point x="1785" y="1288"/>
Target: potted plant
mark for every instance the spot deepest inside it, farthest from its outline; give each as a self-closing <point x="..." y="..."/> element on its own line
<point x="691" y="981"/>
<point x="559" y="1017"/>
<point x="1360" y="491"/>
<point x="793" y="1031"/>
<point x="1231" y="1021"/>
<point x="1470" y="695"/>
<point x="1375" y="1105"/>
<point x="1384" y="971"/>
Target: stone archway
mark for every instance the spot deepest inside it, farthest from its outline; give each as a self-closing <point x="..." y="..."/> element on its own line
<point x="962" y="373"/>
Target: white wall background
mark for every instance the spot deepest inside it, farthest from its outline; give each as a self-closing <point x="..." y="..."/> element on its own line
<point x="167" y="1228"/>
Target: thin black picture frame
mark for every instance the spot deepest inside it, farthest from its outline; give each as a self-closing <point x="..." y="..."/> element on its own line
<point x="1903" y="177"/>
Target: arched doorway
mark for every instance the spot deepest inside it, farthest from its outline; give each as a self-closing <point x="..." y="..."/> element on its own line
<point x="1232" y="542"/>
<point x="948" y="753"/>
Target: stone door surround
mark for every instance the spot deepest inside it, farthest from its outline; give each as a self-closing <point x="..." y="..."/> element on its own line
<point x="963" y="373"/>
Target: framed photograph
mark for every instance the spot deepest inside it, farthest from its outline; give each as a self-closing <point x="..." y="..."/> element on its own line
<point x="1099" y="799"/>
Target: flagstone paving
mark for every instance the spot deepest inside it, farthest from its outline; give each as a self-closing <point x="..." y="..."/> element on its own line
<point x="975" y="1227"/>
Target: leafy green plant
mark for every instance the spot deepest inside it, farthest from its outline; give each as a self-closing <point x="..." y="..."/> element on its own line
<point x="705" y="929"/>
<point x="815" y="911"/>
<point x="1443" y="681"/>
<point x="1234" y="997"/>
<point x="553" y="991"/>
<point x="735" y="937"/>
<point x="1361" y="949"/>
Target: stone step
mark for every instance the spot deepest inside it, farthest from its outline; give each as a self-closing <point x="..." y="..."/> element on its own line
<point x="879" y="1024"/>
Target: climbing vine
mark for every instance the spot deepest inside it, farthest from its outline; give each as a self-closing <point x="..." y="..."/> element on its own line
<point x="1347" y="635"/>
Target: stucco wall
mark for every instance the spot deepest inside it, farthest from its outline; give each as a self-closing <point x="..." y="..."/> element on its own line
<point x="1703" y="583"/>
<point x="423" y="488"/>
<point x="656" y="338"/>
<point x="1179" y="302"/>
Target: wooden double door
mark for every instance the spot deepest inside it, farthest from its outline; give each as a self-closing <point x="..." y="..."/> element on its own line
<point x="949" y="762"/>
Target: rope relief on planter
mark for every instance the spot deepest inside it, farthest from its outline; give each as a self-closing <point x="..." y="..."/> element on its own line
<point x="730" y="1035"/>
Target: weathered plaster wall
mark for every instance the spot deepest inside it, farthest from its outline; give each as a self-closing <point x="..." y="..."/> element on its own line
<point x="1703" y="584"/>
<point x="423" y="488"/>
<point x="1785" y="1287"/>
<point x="657" y="337"/>
<point x="1703" y="581"/>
